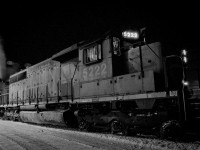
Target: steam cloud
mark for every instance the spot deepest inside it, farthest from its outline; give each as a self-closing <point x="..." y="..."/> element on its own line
<point x="2" y="61"/>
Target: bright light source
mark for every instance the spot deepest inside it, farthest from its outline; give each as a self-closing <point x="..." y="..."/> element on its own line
<point x="185" y="83"/>
<point x="185" y="60"/>
<point x="184" y="52"/>
<point x="130" y="35"/>
<point x="184" y="56"/>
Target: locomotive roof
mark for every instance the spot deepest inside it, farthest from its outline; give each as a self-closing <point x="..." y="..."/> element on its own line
<point x="65" y="51"/>
<point x="15" y="74"/>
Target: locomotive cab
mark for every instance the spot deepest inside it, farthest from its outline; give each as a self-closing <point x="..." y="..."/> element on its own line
<point x="120" y="66"/>
<point x="136" y="65"/>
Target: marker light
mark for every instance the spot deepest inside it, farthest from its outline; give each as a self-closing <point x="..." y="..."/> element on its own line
<point x="185" y="83"/>
<point x="184" y="52"/>
<point x="130" y="35"/>
<point x="184" y="56"/>
<point x="185" y="59"/>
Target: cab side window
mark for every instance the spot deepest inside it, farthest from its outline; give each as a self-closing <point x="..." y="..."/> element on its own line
<point x="92" y="54"/>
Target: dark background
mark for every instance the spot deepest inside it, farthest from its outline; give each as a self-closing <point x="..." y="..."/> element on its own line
<point x="33" y="32"/>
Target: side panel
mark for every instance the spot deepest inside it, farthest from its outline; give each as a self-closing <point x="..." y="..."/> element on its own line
<point x="53" y="82"/>
<point x="10" y="93"/>
<point x="151" y="58"/>
<point x="133" y="83"/>
<point x="26" y="91"/>
<point x="4" y="94"/>
<point x="44" y="81"/>
<point x="67" y="72"/>
<point x="97" y="88"/>
<point x="13" y="93"/>
<point x="106" y="87"/>
<point x="42" y="86"/>
<point x="20" y="92"/>
<point x="34" y="87"/>
<point x="76" y="89"/>
<point x="89" y="89"/>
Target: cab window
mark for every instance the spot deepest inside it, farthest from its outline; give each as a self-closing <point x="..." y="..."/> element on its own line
<point x="92" y="54"/>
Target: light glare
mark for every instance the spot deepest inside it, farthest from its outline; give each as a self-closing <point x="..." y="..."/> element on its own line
<point x="184" y="52"/>
<point x="185" y="83"/>
<point x="185" y="59"/>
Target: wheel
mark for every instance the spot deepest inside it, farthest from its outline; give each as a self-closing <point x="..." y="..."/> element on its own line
<point x="170" y="130"/>
<point x="84" y="125"/>
<point x="117" y="126"/>
<point x="114" y="126"/>
<point x="125" y="131"/>
<point x="19" y="119"/>
<point x="12" y="118"/>
<point x="4" y="117"/>
<point x="70" y="120"/>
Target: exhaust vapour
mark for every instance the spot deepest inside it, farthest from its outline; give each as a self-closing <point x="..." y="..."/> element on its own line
<point x="2" y="61"/>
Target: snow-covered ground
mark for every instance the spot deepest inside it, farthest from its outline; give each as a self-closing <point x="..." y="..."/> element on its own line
<point x="20" y="136"/>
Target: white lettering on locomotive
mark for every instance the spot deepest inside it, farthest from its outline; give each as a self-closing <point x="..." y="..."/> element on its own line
<point x="94" y="72"/>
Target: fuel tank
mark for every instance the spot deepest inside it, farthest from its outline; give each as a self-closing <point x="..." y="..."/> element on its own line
<point x="44" y="117"/>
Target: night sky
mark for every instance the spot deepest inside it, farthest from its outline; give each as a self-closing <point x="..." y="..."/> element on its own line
<point x="33" y="32"/>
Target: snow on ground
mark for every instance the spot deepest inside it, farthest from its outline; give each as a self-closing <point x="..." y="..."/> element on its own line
<point x="140" y="142"/>
<point x="55" y="138"/>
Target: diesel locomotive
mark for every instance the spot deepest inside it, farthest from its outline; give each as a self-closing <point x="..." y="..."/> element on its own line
<point x="120" y="82"/>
